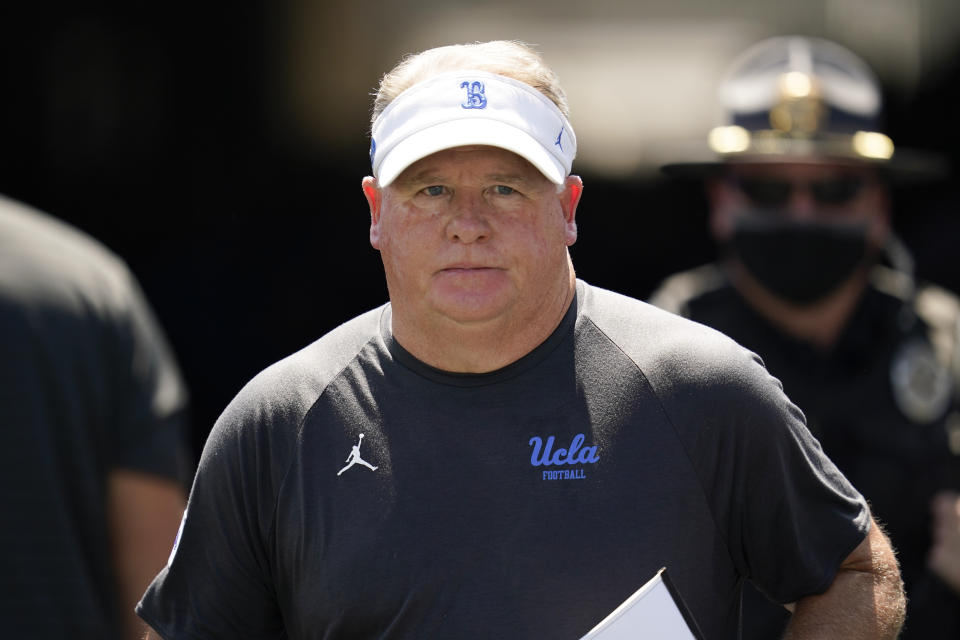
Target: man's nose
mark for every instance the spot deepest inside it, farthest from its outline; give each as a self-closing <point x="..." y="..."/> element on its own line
<point x="469" y="220"/>
<point x="802" y="204"/>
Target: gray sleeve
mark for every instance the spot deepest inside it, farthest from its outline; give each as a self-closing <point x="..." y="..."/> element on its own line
<point x="789" y="516"/>
<point x="221" y="579"/>
<point x="217" y="582"/>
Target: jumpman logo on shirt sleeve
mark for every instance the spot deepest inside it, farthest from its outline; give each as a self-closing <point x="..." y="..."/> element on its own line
<point x="354" y="458"/>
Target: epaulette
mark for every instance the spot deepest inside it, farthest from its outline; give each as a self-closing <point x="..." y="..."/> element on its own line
<point x="940" y="310"/>
<point x="677" y="290"/>
<point x="935" y="306"/>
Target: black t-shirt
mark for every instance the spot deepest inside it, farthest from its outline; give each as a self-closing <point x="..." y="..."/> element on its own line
<point x="87" y="385"/>
<point x="524" y="503"/>
<point x="880" y="402"/>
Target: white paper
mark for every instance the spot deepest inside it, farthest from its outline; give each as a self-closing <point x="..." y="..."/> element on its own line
<point x="650" y="612"/>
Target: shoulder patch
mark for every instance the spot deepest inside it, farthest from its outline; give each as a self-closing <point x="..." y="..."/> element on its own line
<point x="922" y="384"/>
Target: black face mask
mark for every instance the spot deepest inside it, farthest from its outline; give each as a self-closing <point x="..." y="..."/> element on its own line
<point x="800" y="262"/>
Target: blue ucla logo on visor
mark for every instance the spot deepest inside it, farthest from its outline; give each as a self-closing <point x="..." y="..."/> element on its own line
<point x="475" y="97"/>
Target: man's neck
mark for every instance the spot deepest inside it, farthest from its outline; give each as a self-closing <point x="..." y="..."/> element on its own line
<point x="483" y="346"/>
<point x="819" y="324"/>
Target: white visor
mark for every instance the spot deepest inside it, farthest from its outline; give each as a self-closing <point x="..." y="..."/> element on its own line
<point x="461" y="108"/>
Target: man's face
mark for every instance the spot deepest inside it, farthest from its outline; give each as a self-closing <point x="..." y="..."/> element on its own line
<point x="473" y="234"/>
<point x="799" y="231"/>
<point x="814" y="192"/>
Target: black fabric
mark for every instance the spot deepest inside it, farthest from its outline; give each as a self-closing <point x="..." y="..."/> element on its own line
<point x="848" y="397"/>
<point x="524" y="503"/>
<point x="87" y="385"/>
<point x="801" y="262"/>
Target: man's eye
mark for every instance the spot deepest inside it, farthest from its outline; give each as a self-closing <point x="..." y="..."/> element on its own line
<point x="503" y="190"/>
<point x="434" y="190"/>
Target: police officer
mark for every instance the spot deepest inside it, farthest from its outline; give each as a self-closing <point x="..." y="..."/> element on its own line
<point x="812" y="279"/>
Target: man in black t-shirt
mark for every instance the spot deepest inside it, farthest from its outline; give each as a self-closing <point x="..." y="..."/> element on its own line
<point x="94" y="462"/>
<point x="537" y="448"/>
<point x="800" y="208"/>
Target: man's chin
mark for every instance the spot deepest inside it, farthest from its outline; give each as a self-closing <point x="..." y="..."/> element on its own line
<point x="471" y="307"/>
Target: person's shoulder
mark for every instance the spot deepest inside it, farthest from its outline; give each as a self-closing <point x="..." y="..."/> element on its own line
<point x="679" y="291"/>
<point x="659" y="339"/>
<point x="689" y="365"/>
<point x="55" y="262"/>
<point x="936" y="306"/>
<point x="282" y="393"/>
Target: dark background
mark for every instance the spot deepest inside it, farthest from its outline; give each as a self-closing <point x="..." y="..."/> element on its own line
<point x="154" y="128"/>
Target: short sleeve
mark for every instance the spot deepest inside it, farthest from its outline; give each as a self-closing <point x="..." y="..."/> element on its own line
<point x="217" y="582"/>
<point x="789" y="515"/>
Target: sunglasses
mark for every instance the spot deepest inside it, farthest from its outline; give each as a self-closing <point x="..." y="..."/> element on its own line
<point x="772" y="193"/>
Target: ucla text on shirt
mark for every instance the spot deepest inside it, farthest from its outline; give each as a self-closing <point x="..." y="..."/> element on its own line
<point x="544" y="455"/>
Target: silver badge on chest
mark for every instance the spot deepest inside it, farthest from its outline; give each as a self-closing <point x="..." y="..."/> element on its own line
<point x="921" y="384"/>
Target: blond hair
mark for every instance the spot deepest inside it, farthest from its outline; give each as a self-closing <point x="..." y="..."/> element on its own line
<point x="509" y="58"/>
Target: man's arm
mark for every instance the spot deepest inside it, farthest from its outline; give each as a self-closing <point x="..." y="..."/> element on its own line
<point x="866" y="599"/>
<point x="145" y="512"/>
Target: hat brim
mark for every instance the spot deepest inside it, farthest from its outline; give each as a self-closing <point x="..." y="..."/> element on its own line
<point x="467" y="132"/>
<point x="905" y="167"/>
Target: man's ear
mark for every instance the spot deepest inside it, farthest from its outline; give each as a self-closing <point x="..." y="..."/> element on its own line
<point x="569" y="199"/>
<point x="374" y="196"/>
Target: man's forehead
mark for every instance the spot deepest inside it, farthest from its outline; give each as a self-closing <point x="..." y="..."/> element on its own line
<point x="492" y="161"/>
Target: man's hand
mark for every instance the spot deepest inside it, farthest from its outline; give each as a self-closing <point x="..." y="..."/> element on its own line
<point x="944" y="558"/>
<point x="865" y="600"/>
